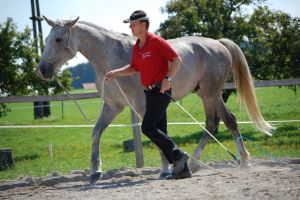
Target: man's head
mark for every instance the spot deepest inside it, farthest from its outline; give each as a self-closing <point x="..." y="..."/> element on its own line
<point x="138" y="16"/>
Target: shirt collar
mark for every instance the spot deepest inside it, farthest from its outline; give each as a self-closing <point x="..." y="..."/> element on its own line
<point x="149" y="35"/>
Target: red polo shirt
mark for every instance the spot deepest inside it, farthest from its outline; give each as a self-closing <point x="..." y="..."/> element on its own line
<point x="152" y="59"/>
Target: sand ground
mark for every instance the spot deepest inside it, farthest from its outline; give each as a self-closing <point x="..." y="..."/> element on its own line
<point x="265" y="180"/>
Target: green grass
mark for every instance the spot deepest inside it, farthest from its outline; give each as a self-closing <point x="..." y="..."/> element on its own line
<point x="72" y="146"/>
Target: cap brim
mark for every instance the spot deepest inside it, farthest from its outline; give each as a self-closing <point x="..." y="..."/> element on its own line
<point x="126" y="20"/>
<point x="139" y="19"/>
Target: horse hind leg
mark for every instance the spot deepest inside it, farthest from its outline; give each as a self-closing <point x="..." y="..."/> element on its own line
<point x="229" y="120"/>
<point x="212" y="122"/>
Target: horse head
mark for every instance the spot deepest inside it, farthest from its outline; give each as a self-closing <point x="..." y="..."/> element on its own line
<point x="60" y="47"/>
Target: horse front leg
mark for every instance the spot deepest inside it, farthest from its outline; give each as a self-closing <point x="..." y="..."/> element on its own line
<point x="106" y="117"/>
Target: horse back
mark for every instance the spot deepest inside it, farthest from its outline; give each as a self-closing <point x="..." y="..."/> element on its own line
<point x="206" y="63"/>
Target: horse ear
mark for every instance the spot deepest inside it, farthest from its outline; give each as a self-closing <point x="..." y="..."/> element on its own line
<point x="71" y="23"/>
<point x="49" y="21"/>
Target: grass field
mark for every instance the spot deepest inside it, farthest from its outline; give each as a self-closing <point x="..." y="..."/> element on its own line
<point x="71" y="147"/>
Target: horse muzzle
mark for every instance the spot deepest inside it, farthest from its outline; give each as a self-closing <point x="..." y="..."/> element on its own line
<point x="45" y="70"/>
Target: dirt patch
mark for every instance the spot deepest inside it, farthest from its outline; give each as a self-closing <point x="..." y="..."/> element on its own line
<point x="265" y="180"/>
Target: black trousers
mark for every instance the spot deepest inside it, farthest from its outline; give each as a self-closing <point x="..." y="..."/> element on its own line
<point x="154" y="124"/>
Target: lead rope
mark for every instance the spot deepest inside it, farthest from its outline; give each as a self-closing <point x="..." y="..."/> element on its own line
<point x="260" y="148"/>
<point x="77" y="105"/>
<point x="129" y="103"/>
<point x="134" y="110"/>
<point x="131" y="106"/>
<point x="211" y="135"/>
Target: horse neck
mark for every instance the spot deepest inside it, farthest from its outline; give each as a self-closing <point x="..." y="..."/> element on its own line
<point x="102" y="48"/>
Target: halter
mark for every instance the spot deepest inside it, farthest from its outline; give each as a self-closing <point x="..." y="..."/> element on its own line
<point x="68" y="49"/>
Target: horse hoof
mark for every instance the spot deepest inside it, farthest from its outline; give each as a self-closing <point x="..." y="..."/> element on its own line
<point x="194" y="165"/>
<point x="164" y="175"/>
<point x="245" y="165"/>
<point x="95" y="177"/>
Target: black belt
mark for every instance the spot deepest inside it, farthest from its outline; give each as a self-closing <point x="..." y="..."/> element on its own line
<point x="150" y="87"/>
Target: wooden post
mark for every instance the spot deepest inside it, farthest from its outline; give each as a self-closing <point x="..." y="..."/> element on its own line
<point x="45" y="109"/>
<point x="137" y="141"/>
<point x="62" y="109"/>
<point x="6" y="159"/>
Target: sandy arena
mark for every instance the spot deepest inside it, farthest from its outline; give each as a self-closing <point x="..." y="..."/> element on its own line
<point x="265" y="180"/>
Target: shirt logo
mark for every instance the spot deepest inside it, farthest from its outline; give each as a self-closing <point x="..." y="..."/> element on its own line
<point x="146" y="55"/>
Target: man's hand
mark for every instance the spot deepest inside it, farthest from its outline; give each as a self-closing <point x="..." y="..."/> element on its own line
<point x="165" y="86"/>
<point x="110" y="76"/>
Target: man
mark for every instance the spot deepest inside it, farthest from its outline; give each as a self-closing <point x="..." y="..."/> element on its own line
<point x="157" y="62"/>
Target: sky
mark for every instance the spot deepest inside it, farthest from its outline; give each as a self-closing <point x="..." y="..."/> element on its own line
<point x="106" y="13"/>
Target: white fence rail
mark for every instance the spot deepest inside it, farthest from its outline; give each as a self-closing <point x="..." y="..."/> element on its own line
<point x="21" y="99"/>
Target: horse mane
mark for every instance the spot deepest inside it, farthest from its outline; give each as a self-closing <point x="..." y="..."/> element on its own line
<point x="93" y="25"/>
<point x="102" y="29"/>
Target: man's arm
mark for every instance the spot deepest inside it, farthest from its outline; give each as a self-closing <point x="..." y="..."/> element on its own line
<point x="127" y="70"/>
<point x="174" y="67"/>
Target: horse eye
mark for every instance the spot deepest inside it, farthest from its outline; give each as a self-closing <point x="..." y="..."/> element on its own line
<point x="58" y="40"/>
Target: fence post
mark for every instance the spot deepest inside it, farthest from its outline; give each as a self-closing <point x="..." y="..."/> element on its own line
<point x="137" y="141"/>
<point x="51" y="156"/>
<point x="62" y="109"/>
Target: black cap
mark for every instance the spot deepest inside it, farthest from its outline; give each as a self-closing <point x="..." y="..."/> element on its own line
<point x="137" y="15"/>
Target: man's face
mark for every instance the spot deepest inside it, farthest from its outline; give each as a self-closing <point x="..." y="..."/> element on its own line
<point x="136" y="27"/>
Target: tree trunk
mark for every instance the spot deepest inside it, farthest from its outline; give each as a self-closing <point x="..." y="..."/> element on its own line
<point x="6" y="159"/>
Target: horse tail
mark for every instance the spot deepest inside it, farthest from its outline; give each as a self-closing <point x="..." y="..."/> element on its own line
<point x="245" y="87"/>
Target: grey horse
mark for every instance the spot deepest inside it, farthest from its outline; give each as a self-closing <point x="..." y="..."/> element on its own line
<point x="207" y="63"/>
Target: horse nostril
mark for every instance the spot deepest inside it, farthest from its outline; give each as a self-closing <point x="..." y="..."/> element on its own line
<point x="45" y="70"/>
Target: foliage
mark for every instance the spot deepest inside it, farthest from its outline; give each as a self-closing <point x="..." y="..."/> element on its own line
<point x="275" y="44"/>
<point x="3" y="109"/>
<point x="18" y="61"/>
<point x="214" y="19"/>
<point x="15" y="59"/>
<point x="270" y="39"/>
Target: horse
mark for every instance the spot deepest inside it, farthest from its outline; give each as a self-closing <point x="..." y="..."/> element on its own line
<point x="206" y="66"/>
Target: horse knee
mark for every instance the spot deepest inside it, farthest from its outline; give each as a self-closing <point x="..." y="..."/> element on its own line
<point x="211" y="126"/>
<point x="232" y="124"/>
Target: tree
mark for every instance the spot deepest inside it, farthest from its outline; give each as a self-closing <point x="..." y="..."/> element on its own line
<point x="270" y="39"/>
<point x="214" y="19"/>
<point x="274" y="39"/>
<point x="18" y="61"/>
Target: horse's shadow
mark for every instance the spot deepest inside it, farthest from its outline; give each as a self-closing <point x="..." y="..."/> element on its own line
<point x="113" y="179"/>
<point x="222" y="136"/>
<point x="104" y="185"/>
